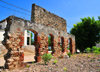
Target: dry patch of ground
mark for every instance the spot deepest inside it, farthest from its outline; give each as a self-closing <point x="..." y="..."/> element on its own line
<point x="28" y="57"/>
<point x="77" y="63"/>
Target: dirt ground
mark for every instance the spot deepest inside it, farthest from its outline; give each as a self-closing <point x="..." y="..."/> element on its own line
<point x="28" y="57"/>
<point x="76" y="63"/>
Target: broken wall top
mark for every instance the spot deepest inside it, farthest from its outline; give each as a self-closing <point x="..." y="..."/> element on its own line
<point x="13" y="23"/>
<point x="42" y="16"/>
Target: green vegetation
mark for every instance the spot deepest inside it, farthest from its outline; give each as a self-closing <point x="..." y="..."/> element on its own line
<point x="69" y="54"/>
<point x="32" y="37"/>
<point x="49" y="43"/>
<point x="27" y="66"/>
<point x="65" y="69"/>
<point x="87" y="33"/>
<point x="55" y="61"/>
<point x="49" y="40"/>
<point x="46" y="58"/>
<point x="94" y="49"/>
<point x="88" y="50"/>
<point x="33" y="62"/>
<point x="89" y="56"/>
<point x="68" y="48"/>
<point x="98" y="60"/>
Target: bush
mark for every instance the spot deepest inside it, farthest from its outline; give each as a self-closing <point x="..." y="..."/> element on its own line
<point x="46" y="58"/>
<point x="65" y="69"/>
<point x="69" y="54"/>
<point x="95" y="49"/>
<point x="27" y="66"/>
<point x="68" y="48"/>
<point x="88" y="50"/>
<point x="55" y="61"/>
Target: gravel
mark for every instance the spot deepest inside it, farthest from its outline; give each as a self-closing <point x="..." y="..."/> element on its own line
<point x="76" y="63"/>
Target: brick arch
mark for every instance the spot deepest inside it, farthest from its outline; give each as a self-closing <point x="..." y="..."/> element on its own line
<point x="52" y="43"/>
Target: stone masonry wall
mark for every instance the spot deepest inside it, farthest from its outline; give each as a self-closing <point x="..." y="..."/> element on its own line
<point x="57" y="47"/>
<point x="15" y="55"/>
<point x="42" y="16"/>
<point x="16" y="27"/>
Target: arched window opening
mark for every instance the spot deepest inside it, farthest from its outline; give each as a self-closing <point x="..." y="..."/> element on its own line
<point x="29" y="37"/>
<point x="70" y="44"/>
<point x="50" y="43"/>
<point x="61" y="43"/>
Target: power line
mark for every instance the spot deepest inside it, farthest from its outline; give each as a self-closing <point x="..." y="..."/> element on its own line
<point x="15" y="10"/>
<point x="15" y="6"/>
<point x="18" y="8"/>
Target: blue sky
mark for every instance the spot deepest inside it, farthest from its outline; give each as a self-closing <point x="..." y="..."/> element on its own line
<point x="70" y="10"/>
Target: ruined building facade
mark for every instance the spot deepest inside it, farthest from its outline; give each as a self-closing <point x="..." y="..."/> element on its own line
<point x="42" y="24"/>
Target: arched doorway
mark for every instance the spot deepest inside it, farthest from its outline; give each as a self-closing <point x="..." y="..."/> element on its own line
<point x="62" y="43"/>
<point x="70" y="45"/>
<point x="30" y="38"/>
<point x="50" y="43"/>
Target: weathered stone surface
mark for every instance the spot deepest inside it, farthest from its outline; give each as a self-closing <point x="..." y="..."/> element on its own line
<point x="15" y="41"/>
<point x="15" y="52"/>
<point x="42" y="16"/>
<point x="48" y="25"/>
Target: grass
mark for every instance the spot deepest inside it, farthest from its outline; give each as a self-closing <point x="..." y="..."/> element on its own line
<point x="27" y="66"/>
<point x="89" y="56"/>
<point x="65" y="69"/>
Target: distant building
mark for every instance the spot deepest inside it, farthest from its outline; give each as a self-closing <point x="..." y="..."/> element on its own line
<point x="2" y="30"/>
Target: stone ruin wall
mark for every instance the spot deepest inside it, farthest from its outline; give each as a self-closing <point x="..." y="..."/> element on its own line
<point x="14" y="40"/>
<point x="43" y="23"/>
<point x="42" y="16"/>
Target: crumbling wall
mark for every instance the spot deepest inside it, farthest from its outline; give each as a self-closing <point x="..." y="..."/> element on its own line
<point x="42" y="16"/>
<point x="14" y="32"/>
<point x="72" y="48"/>
<point x="15" y="56"/>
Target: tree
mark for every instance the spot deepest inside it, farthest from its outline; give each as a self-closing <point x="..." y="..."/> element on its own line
<point x="49" y="40"/>
<point x="87" y="33"/>
<point x="98" y="25"/>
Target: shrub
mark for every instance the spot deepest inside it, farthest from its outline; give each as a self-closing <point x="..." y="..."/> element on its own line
<point x="89" y="56"/>
<point x="46" y="58"/>
<point x="27" y="66"/>
<point x="55" y="61"/>
<point x="65" y="69"/>
<point x="33" y="62"/>
<point x="68" y="48"/>
<point x="95" y="49"/>
<point x="69" y="54"/>
<point x="88" y="50"/>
